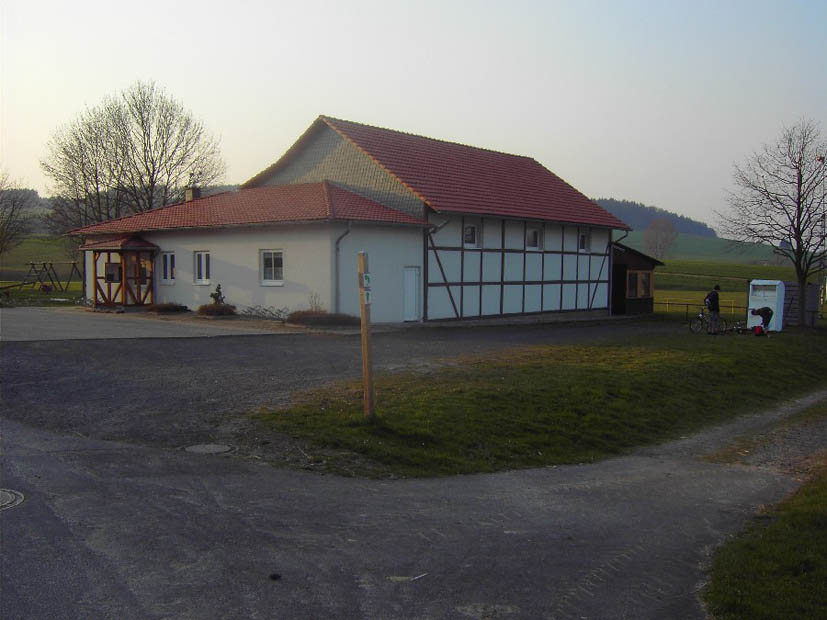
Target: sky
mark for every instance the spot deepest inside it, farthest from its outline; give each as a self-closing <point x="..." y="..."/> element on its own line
<point x="651" y="101"/>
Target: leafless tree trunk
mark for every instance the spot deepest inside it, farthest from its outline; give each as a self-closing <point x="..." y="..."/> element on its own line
<point x="134" y="152"/>
<point x="15" y="213"/>
<point x="780" y="200"/>
<point x="660" y="237"/>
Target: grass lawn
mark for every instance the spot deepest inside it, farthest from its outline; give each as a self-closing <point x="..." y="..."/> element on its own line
<point x="777" y="568"/>
<point x="555" y="404"/>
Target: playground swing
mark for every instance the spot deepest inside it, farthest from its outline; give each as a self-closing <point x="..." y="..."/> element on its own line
<point x="44" y="275"/>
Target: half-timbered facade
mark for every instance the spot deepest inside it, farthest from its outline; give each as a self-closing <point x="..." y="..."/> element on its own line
<point x="452" y="231"/>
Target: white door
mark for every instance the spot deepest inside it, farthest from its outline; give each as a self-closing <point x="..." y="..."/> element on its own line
<point x="411" y="281"/>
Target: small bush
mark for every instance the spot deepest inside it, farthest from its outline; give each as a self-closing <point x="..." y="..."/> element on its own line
<point x="167" y="307"/>
<point x="216" y="310"/>
<point x="320" y="317"/>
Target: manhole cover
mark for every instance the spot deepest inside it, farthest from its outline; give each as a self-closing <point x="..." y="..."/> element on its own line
<point x="208" y="448"/>
<point x="9" y="498"/>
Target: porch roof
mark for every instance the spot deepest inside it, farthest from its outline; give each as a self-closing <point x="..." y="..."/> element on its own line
<point x="119" y="243"/>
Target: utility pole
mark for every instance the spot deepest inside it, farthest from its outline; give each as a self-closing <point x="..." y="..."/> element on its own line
<point x="367" y="357"/>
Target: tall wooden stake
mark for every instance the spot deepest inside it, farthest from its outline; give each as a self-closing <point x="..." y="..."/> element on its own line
<point x="364" y="310"/>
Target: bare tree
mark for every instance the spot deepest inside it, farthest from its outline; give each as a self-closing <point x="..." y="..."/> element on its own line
<point x="15" y="213"/>
<point x="134" y="152"/>
<point x="780" y="200"/>
<point x="659" y="237"/>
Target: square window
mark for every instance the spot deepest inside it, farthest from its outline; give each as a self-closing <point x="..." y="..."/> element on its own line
<point x="112" y="272"/>
<point x="202" y="267"/>
<point x="271" y="268"/>
<point x="471" y="236"/>
<point x="533" y="238"/>
<point x="584" y="242"/>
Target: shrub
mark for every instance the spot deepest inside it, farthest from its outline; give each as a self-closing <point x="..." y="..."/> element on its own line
<point x="216" y="310"/>
<point x="320" y="317"/>
<point x="167" y="307"/>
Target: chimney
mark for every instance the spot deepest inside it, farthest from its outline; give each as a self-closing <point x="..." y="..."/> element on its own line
<point x="192" y="193"/>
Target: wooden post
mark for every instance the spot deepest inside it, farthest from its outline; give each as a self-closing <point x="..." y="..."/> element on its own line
<point x="364" y="310"/>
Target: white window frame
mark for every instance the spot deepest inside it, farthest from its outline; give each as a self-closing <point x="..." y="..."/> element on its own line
<point x="273" y="281"/>
<point x="167" y="268"/>
<point x="206" y="268"/>
<point x="587" y="246"/>
<point x="477" y="235"/>
<point x="531" y="228"/>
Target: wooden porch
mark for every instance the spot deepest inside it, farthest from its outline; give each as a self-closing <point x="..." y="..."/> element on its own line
<point x="122" y="271"/>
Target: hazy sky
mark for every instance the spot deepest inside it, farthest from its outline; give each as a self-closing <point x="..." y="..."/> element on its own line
<point x="646" y="101"/>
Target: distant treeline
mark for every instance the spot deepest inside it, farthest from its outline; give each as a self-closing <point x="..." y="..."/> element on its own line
<point x="639" y="216"/>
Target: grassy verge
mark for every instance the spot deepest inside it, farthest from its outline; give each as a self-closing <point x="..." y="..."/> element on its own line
<point x="554" y="404"/>
<point x="778" y="567"/>
<point x="34" y="296"/>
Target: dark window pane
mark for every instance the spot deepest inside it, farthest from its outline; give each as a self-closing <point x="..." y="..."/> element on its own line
<point x="207" y="267"/>
<point x="631" y="289"/>
<point x="278" y="272"/>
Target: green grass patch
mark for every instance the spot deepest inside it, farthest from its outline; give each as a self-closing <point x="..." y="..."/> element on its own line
<point x="694" y="275"/>
<point x="777" y="568"/>
<point x="546" y="405"/>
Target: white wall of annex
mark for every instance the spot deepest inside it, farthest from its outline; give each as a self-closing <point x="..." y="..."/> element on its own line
<point x="390" y="249"/>
<point x="234" y="263"/>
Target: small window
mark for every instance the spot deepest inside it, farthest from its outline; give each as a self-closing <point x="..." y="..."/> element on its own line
<point x="112" y="272"/>
<point x="272" y="267"/>
<point x="639" y="285"/>
<point x="584" y="243"/>
<point x="202" y="268"/>
<point x="471" y="236"/>
<point x="167" y="267"/>
<point x="534" y="238"/>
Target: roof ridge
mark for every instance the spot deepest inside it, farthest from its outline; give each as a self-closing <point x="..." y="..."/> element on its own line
<point x="328" y="120"/>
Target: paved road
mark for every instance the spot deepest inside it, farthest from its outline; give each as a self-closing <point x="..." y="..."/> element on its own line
<point x="111" y="529"/>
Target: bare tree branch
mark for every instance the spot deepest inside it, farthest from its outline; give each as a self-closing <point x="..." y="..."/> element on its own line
<point x="780" y="200"/>
<point x="134" y="152"/>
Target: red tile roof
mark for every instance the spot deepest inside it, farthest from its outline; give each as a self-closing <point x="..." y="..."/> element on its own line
<point x="262" y="205"/>
<point x="465" y="179"/>
<point x="457" y="178"/>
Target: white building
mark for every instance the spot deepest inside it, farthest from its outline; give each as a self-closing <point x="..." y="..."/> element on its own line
<point x="452" y="232"/>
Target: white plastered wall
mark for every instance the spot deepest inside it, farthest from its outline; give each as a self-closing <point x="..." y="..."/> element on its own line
<point x="390" y="250"/>
<point x="235" y="264"/>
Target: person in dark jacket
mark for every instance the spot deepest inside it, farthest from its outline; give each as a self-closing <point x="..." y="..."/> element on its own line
<point x="712" y="304"/>
<point x="766" y="316"/>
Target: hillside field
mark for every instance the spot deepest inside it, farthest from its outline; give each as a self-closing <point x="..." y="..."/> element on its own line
<point x="692" y="247"/>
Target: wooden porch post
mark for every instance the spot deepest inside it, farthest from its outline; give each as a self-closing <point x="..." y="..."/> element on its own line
<point x="95" y="256"/>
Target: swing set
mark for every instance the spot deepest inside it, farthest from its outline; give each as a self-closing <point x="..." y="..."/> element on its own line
<point x="42" y="274"/>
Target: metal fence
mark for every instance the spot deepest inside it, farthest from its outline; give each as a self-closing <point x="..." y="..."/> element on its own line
<point x="690" y="309"/>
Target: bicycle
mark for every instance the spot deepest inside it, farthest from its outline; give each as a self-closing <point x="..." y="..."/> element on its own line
<point x="700" y="324"/>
